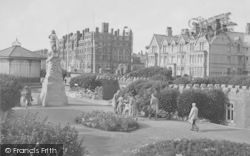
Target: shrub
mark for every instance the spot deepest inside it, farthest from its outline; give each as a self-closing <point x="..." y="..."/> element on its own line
<point x="10" y="92"/>
<point x="151" y="71"/>
<point x="168" y="100"/>
<point x="30" y="130"/>
<point x="42" y="73"/>
<point x="87" y="82"/>
<point x="107" y="121"/>
<point x="181" y="80"/>
<point x="194" y="147"/>
<point x="159" y="77"/>
<point x="246" y="82"/>
<point x="200" y="80"/>
<point x="220" y="79"/>
<point x="209" y="102"/>
<point x="237" y="80"/>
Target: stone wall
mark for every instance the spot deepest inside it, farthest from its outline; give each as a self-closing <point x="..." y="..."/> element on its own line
<point x="238" y="97"/>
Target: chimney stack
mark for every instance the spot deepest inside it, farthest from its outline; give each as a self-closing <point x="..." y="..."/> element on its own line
<point x="105" y="27"/>
<point x="83" y="34"/>
<point x="169" y="31"/>
<point x="112" y="31"/>
<point x="248" y="29"/>
<point x="97" y="29"/>
<point x="118" y="32"/>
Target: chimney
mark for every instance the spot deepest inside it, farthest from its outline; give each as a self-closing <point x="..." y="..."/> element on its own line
<point x="248" y="29"/>
<point x="123" y="33"/>
<point x="169" y="31"/>
<point x="115" y="33"/>
<point x="105" y="27"/>
<point x="83" y="34"/>
<point x="118" y="32"/>
<point x="184" y="31"/>
<point x="77" y="35"/>
<point x="112" y="31"/>
<point x="97" y="29"/>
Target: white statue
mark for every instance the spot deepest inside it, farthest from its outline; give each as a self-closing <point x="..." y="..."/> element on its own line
<point x="54" y="43"/>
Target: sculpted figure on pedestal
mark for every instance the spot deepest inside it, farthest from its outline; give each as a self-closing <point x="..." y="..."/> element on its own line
<point x="54" y="43"/>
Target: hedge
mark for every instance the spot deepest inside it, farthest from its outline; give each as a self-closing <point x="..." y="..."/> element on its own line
<point x="107" y="121"/>
<point x="194" y="147"/>
<point x="168" y="100"/>
<point x="181" y="80"/>
<point x="151" y="71"/>
<point x="85" y="81"/>
<point x="159" y="77"/>
<point x="209" y="102"/>
<point x="228" y="80"/>
<point x="10" y="92"/>
<point x="28" y="129"/>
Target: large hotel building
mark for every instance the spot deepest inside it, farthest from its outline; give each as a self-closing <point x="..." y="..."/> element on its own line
<point x="97" y="51"/>
<point x="210" y="48"/>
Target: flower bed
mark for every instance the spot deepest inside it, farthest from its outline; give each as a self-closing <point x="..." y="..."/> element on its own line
<point x="193" y="147"/>
<point x="29" y="130"/>
<point x="107" y="121"/>
<point x="83" y="93"/>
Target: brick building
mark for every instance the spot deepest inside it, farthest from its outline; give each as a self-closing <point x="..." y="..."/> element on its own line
<point x="138" y="61"/>
<point x="97" y="51"/>
<point x="203" y="51"/>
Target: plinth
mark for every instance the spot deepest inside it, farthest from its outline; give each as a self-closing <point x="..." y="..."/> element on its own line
<point x="53" y="89"/>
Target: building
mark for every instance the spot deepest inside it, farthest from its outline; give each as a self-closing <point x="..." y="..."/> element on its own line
<point x="97" y="51"/>
<point x="138" y="61"/>
<point x="20" y="62"/>
<point x="44" y="53"/>
<point x="205" y="50"/>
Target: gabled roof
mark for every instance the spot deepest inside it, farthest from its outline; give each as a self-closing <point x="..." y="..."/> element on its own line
<point x="19" y="52"/>
<point x="159" y="38"/>
<point x="168" y="39"/>
<point x="185" y="37"/>
<point x="227" y="35"/>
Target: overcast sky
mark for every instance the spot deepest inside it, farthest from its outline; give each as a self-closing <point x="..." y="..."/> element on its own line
<point x="31" y="21"/>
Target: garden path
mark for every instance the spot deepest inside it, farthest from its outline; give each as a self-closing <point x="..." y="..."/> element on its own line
<point x="102" y="143"/>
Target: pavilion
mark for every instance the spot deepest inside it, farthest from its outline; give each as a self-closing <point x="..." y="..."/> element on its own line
<point x="20" y="62"/>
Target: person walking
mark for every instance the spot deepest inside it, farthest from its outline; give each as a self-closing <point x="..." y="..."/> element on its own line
<point x="193" y="116"/>
<point x="154" y="106"/>
<point x="115" y="100"/>
<point x="27" y="96"/>
<point x="132" y="105"/>
<point x="120" y="105"/>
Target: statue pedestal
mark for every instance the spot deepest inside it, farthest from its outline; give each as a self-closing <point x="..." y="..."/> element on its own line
<point x="53" y="89"/>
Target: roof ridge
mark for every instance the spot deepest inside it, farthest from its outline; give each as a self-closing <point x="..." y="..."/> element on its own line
<point x="12" y="50"/>
<point x="5" y="49"/>
<point x="32" y="53"/>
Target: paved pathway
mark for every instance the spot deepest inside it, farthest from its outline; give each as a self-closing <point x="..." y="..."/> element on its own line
<point x="102" y="143"/>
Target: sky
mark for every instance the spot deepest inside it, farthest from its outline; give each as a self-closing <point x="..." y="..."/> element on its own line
<point x="31" y="21"/>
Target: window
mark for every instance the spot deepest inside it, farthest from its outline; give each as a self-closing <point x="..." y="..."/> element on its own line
<point x="181" y="47"/>
<point x="230" y="112"/>
<point x="201" y="45"/>
<point x="229" y="59"/>
<point x="191" y="46"/>
<point x="172" y="47"/>
<point x="238" y="47"/>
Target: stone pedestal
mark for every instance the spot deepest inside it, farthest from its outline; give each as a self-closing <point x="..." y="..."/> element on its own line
<point x="53" y="89"/>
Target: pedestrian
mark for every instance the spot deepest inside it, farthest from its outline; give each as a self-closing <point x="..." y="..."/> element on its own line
<point x="115" y="100"/>
<point x="154" y="106"/>
<point x="132" y="105"/>
<point x="120" y="105"/>
<point x="193" y="116"/>
<point x="27" y="96"/>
